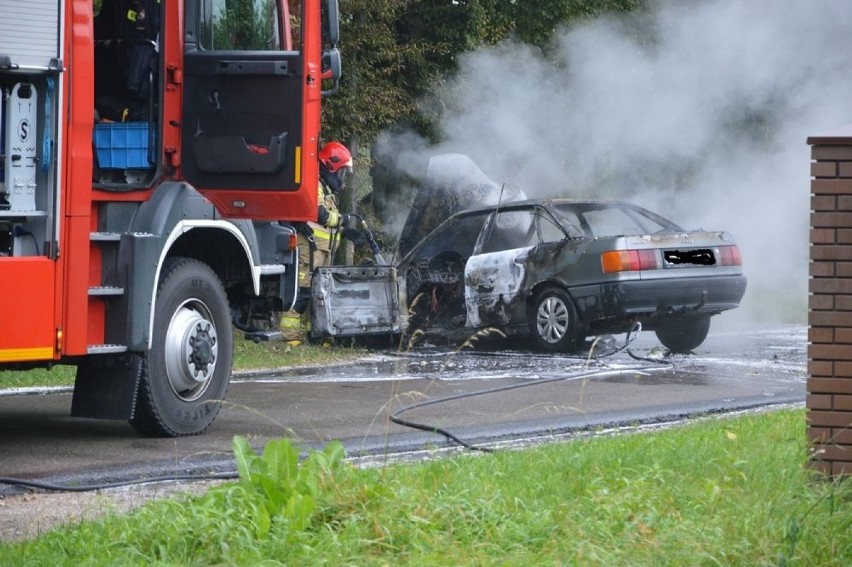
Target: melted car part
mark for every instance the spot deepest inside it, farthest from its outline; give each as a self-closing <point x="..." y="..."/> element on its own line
<point x="356" y="300"/>
<point x="492" y="282"/>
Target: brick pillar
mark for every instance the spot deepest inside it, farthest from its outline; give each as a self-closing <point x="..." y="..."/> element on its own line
<point x="829" y="399"/>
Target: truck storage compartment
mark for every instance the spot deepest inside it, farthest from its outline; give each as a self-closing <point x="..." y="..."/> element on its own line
<point x="29" y="33"/>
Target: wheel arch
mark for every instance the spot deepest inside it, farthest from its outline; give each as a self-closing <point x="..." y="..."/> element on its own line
<point x="582" y="323"/>
<point x="536" y="289"/>
<point x="217" y="243"/>
<point x="178" y="222"/>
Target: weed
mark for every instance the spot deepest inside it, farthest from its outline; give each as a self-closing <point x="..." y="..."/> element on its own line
<point x="282" y="486"/>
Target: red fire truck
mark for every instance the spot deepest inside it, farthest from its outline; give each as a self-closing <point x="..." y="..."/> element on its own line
<point x="154" y="154"/>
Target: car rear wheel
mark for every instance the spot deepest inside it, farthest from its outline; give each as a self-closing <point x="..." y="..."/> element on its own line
<point x="684" y="334"/>
<point x="553" y="320"/>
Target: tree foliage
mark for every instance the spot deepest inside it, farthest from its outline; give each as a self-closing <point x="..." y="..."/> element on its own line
<point x="397" y="51"/>
<point x="397" y="54"/>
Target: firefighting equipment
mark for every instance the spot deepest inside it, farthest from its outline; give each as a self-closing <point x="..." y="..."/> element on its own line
<point x="335" y="163"/>
<point x="334" y="156"/>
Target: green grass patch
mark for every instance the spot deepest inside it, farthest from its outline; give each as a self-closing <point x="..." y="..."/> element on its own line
<point x="732" y="491"/>
<point x="247" y="356"/>
<point x="59" y="375"/>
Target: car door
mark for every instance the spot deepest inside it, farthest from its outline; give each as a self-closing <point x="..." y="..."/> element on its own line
<point x="497" y="277"/>
<point x="353" y="301"/>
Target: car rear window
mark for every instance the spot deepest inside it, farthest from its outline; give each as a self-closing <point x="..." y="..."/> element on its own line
<point x="612" y="220"/>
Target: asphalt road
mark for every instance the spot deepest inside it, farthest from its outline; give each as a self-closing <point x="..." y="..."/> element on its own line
<point x="555" y="395"/>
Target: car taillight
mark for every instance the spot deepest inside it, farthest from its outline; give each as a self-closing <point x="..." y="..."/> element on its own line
<point x="730" y="256"/>
<point x="629" y="260"/>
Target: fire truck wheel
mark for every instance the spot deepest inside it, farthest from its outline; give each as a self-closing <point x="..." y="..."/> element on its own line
<point x="188" y="366"/>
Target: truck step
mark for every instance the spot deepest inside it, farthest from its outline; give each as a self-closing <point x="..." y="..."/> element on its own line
<point x="105" y="349"/>
<point x="272" y="269"/>
<point x="105" y="236"/>
<point x="106" y="290"/>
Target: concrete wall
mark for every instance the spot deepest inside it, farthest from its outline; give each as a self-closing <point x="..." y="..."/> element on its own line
<point x="829" y="387"/>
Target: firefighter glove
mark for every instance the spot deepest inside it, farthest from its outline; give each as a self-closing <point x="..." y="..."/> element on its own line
<point x="322" y="215"/>
<point x="355" y="236"/>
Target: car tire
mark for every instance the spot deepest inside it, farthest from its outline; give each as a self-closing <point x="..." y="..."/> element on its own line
<point x="188" y="367"/>
<point x="684" y="334"/>
<point x="553" y="320"/>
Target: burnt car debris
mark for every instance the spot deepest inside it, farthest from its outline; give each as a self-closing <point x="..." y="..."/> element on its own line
<point x="554" y="271"/>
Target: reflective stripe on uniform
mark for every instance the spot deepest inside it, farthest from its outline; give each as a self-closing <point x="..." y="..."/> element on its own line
<point x="291" y="321"/>
<point x="321" y="232"/>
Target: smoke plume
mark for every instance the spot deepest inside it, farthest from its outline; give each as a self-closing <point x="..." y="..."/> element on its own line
<point x="699" y="110"/>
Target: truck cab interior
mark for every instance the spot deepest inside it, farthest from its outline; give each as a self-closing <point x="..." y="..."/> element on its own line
<point x="126" y="92"/>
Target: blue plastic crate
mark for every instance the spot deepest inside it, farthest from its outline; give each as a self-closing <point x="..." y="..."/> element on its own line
<point x="122" y="145"/>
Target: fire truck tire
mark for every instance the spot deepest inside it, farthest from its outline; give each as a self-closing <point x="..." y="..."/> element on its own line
<point x="188" y="367"/>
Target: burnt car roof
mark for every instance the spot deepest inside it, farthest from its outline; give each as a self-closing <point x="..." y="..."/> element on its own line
<point x="552" y="203"/>
<point x="543" y="202"/>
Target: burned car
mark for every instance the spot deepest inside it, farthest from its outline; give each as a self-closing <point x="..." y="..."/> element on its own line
<point x="555" y="271"/>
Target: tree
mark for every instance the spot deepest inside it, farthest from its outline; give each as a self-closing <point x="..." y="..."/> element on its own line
<point x="396" y="52"/>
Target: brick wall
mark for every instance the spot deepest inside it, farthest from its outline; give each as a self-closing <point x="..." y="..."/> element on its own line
<point x="829" y="399"/>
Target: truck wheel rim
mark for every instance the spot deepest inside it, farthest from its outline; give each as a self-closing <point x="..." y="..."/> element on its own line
<point x="191" y="350"/>
<point x="552" y="320"/>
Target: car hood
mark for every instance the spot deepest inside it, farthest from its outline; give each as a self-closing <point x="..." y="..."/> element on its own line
<point x="453" y="182"/>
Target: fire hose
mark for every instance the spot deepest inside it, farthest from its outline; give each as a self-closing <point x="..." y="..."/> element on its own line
<point x="371" y="241"/>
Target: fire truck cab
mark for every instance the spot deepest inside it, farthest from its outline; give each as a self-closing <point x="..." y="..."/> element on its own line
<point x="153" y="157"/>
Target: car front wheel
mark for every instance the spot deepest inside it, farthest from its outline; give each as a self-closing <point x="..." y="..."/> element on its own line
<point x="553" y="321"/>
<point x="684" y="334"/>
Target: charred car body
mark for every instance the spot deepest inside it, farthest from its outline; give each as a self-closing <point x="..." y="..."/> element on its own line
<point x="555" y="271"/>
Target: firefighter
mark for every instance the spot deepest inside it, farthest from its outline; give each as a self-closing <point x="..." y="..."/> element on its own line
<point x="317" y="240"/>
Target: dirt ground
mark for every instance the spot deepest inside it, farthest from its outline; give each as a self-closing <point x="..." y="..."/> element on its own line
<point x="26" y="516"/>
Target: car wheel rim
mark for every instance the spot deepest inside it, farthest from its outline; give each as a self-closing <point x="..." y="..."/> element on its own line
<point x="552" y="320"/>
<point x="192" y="348"/>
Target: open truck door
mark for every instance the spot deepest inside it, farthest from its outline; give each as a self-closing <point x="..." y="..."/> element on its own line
<point x="251" y="95"/>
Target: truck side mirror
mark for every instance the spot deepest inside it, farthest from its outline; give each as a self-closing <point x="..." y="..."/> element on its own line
<point x="331" y="69"/>
<point x="331" y="22"/>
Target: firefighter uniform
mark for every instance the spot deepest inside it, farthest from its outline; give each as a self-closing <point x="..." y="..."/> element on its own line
<point x="316" y="245"/>
<point x="318" y="240"/>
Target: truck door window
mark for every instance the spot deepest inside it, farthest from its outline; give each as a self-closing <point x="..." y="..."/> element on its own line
<point x="240" y="25"/>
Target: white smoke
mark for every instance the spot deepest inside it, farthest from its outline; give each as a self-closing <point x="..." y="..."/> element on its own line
<point x="699" y="110"/>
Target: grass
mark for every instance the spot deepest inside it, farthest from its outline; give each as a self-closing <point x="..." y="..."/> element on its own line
<point x="247" y="356"/>
<point x="731" y="491"/>
<point x="278" y="354"/>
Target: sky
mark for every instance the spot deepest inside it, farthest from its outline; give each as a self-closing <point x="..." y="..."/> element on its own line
<point x="699" y="110"/>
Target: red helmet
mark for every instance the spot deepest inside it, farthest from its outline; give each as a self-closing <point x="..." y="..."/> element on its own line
<point x="335" y="156"/>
